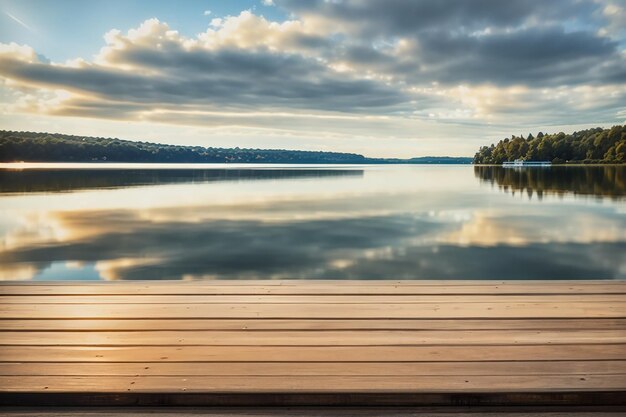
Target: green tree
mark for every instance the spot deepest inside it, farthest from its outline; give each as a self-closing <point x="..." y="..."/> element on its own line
<point x="591" y="145"/>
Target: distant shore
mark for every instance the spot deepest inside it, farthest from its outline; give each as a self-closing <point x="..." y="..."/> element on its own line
<point x="53" y="147"/>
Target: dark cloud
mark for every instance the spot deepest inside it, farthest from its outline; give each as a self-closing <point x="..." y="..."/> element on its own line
<point x="484" y="41"/>
<point x="401" y="17"/>
<point x="537" y="57"/>
<point x="226" y="78"/>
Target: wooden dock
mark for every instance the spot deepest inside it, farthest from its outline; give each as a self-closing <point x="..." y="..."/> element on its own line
<point x="428" y="343"/>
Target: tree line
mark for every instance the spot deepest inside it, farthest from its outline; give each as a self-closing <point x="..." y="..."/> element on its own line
<point x="53" y="147"/>
<point x="595" y="145"/>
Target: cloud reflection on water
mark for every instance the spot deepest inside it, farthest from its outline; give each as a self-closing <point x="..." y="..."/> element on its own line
<point x="392" y="223"/>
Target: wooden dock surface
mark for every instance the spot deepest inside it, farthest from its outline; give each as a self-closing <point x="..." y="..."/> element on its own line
<point x="313" y="343"/>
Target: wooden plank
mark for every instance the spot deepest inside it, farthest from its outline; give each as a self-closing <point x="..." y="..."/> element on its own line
<point x="334" y="384"/>
<point x="311" y="353"/>
<point x="529" y="339"/>
<point x="310" y="299"/>
<point x="326" y="288"/>
<point x="310" y="324"/>
<point x="314" y="338"/>
<point x="365" y="310"/>
<point x="296" y="369"/>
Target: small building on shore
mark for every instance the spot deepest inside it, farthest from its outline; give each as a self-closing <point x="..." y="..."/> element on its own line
<point x="522" y="163"/>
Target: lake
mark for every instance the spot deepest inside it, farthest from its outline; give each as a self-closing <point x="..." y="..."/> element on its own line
<point x="157" y="222"/>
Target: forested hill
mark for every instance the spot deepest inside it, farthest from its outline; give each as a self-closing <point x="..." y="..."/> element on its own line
<point x="47" y="147"/>
<point x="52" y="147"/>
<point x="587" y="146"/>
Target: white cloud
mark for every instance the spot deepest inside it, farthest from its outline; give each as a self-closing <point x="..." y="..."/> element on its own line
<point x="344" y="71"/>
<point x="615" y="14"/>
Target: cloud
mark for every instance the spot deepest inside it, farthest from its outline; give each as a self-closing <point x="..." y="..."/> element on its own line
<point x="539" y="57"/>
<point x="615" y="15"/>
<point x="236" y="66"/>
<point x="367" y="68"/>
<point x="506" y="43"/>
<point x="399" y="17"/>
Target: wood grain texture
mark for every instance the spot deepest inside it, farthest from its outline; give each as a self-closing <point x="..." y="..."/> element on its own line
<point x="312" y="324"/>
<point x="311" y="353"/>
<point x="322" y="384"/>
<point x="286" y="369"/>
<point x="530" y="309"/>
<point x="321" y="342"/>
<point x="317" y="338"/>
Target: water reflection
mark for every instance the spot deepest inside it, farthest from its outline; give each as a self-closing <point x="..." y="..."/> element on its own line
<point x="559" y="180"/>
<point x="380" y="223"/>
<point x="59" y="180"/>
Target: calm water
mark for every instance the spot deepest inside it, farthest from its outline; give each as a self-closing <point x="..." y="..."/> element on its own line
<point x="315" y="222"/>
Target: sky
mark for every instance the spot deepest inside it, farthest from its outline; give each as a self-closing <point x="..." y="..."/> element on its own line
<point x="384" y="78"/>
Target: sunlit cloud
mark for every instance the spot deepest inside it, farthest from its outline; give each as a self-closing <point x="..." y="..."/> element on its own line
<point x="372" y="71"/>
